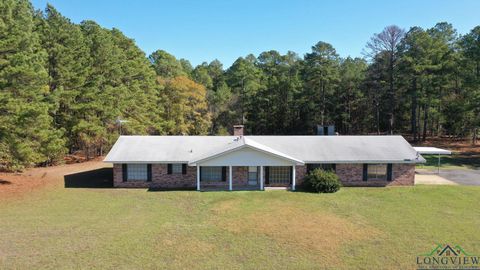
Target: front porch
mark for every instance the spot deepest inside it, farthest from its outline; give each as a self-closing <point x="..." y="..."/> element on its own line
<point x="213" y="178"/>
<point x="245" y="164"/>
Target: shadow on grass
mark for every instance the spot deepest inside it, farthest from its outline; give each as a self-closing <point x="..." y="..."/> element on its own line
<point x="157" y="189"/>
<point x="4" y="182"/>
<point x="99" y="178"/>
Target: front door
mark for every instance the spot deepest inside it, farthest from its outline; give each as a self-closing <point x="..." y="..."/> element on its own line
<point x="253" y="175"/>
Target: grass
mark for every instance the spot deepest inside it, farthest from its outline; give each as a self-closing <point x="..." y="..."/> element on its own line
<point x="369" y="228"/>
<point x="455" y="161"/>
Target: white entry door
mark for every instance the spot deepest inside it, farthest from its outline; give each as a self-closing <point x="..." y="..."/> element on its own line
<point x="253" y="175"/>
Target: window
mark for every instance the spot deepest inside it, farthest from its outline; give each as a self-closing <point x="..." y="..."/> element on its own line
<point x="211" y="173"/>
<point x="252" y="173"/>
<point x="279" y="175"/>
<point x="377" y="171"/>
<point x="177" y="168"/>
<point x="137" y="172"/>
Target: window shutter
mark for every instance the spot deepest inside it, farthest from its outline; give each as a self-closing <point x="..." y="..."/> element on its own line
<point x="169" y="168"/>
<point x="267" y="175"/>
<point x="365" y="172"/>
<point x="200" y="173"/>
<point x="334" y="167"/>
<point x="184" y="168"/>
<point x="291" y="175"/>
<point x="124" y="172"/>
<point x="224" y="173"/>
<point x="389" y="172"/>
<point x="149" y="172"/>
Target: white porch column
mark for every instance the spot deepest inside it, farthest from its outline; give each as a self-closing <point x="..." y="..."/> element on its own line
<point x="293" y="177"/>
<point x="198" y="178"/>
<point x="261" y="177"/>
<point x="230" y="178"/>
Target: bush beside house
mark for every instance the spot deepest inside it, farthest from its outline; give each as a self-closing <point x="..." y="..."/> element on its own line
<point x="321" y="181"/>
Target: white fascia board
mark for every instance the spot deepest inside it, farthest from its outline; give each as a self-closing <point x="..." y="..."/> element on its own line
<point x="281" y="156"/>
<point x="145" y="162"/>
<point x="431" y="150"/>
<point x="361" y="161"/>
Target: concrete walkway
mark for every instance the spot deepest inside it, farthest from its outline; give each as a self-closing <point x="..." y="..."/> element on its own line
<point x="468" y="177"/>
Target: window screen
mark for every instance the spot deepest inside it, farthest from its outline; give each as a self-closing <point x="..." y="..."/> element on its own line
<point x="211" y="173"/>
<point x="377" y="171"/>
<point x="177" y="168"/>
<point x="137" y="172"/>
<point x="279" y="175"/>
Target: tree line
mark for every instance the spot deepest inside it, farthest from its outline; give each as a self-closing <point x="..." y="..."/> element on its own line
<point x="67" y="87"/>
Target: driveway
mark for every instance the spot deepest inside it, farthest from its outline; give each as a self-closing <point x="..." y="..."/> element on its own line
<point x="467" y="177"/>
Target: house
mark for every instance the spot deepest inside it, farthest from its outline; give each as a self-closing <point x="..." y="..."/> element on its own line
<point x="256" y="162"/>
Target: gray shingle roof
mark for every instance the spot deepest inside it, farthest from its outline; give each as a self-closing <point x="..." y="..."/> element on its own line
<point x="310" y="149"/>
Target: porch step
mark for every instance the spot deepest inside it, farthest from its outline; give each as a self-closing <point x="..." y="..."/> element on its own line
<point x="277" y="188"/>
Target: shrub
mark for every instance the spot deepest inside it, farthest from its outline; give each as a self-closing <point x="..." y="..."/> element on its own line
<point x="321" y="181"/>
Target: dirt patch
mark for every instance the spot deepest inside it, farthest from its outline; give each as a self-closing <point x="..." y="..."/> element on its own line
<point x="184" y="246"/>
<point x="432" y="179"/>
<point x="225" y="207"/>
<point x="322" y="234"/>
<point x="15" y="185"/>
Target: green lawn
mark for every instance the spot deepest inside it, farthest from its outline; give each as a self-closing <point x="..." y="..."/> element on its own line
<point x="455" y="161"/>
<point x="369" y="228"/>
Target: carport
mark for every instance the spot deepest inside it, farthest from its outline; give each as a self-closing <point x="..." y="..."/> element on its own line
<point x="432" y="151"/>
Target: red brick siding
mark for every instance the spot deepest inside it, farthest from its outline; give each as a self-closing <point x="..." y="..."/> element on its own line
<point x="239" y="176"/>
<point x="352" y="175"/>
<point x="160" y="178"/>
<point x="300" y="172"/>
<point x="349" y="174"/>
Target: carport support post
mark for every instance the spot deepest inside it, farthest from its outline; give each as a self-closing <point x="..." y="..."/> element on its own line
<point x="261" y="177"/>
<point x="198" y="178"/>
<point x="293" y="177"/>
<point x="230" y="178"/>
<point x="438" y="169"/>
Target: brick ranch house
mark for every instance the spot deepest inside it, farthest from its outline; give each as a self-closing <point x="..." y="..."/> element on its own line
<point x="255" y="162"/>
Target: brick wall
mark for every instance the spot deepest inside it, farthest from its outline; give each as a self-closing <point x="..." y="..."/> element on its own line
<point x="160" y="178"/>
<point x="352" y="175"/>
<point x="239" y="176"/>
<point x="349" y="174"/>
<point x="300" y="172"/>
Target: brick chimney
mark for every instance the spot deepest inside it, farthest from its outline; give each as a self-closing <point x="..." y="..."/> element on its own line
<point x="238" y="130"/>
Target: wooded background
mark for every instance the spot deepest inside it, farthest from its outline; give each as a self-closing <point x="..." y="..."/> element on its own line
<point x="68" y="87"/>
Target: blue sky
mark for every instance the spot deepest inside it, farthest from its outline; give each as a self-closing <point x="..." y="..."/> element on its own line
<point x="226" y="29"/>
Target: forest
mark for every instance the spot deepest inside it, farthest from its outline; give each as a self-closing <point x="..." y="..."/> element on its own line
<point x="74" y="88"/>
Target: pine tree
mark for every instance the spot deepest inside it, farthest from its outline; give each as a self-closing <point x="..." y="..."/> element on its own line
<point x="27" y="136"/>
<point x="321" y="79"/>
<point x="68" y="66"/>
